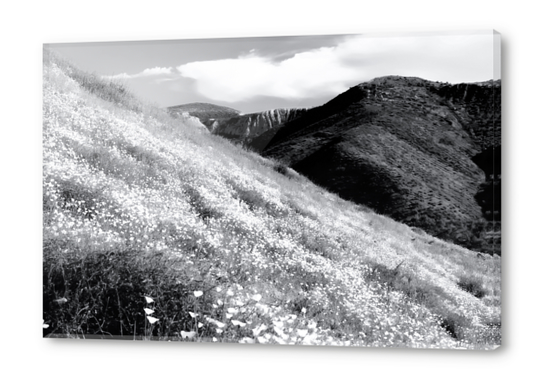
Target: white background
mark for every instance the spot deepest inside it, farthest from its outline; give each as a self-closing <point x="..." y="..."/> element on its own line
<point x="26" y="26"/>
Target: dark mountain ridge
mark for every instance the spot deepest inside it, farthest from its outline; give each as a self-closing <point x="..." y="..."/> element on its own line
<point x="420" y="151"/>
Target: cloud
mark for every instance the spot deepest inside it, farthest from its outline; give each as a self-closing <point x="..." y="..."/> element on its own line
<point x="314" y="72"/>
<point x="156" y="71"/>
<point x="118" y="76"/>
<point x="331" y="70"/>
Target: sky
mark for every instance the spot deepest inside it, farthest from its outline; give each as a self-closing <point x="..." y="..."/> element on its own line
<point x="256" y="74"/>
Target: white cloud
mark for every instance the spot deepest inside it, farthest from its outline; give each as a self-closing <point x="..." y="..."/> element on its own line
<point x="156" y="71"/>
<point x="314" y="72"/>
<point x="145" y="73"/>
<point x="331" y="70"/>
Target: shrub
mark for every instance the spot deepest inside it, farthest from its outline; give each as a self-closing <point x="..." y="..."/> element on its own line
<point x="281" y="168"/>
<point x="472" y="285"/>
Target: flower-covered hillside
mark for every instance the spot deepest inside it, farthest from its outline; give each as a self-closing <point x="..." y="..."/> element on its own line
<point x="154" y="228"/>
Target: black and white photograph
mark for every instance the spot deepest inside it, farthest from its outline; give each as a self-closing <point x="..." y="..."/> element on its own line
<point x="329" y="190"/>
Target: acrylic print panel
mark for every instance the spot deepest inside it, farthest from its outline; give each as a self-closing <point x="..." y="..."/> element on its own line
<point x="311" y="190"/>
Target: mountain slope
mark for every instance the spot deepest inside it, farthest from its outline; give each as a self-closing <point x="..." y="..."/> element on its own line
<point x="404" y="147"/>
<point x="478" y="106"/>
<point x="156" y="229"/>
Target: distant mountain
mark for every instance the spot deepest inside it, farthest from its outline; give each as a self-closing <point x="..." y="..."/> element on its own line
<point x="253" y="130"/>
<point x="425" y="153"/>
<point x="207" y="113"/>
<point x="245" y="128"/>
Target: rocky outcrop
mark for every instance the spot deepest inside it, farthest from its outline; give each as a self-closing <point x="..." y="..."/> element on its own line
<point x="233" y="125"/>
<point x="244" y="128"/>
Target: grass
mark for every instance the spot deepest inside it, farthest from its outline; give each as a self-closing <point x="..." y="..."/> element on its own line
<point x="155" y="229"/>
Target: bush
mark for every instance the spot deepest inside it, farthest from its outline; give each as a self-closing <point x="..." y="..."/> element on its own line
<point x="281" y="168"/>
<point x="473" y="286"/>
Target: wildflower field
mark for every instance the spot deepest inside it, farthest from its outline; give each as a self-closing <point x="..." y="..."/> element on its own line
<point x="153" y="228"/>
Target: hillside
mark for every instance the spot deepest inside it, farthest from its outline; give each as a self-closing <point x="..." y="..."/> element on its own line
<point x="408" y="148"/>
<point x="154" y="228"/>
<point x="478" y="106"/>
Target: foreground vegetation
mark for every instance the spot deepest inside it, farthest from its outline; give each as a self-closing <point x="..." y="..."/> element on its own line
<point x="155" y="229"/>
